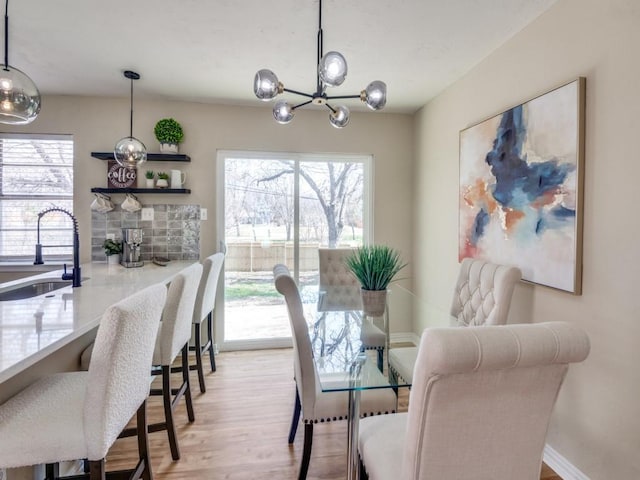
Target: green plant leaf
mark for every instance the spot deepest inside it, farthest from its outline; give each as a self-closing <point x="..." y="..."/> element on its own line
<point x="375" y="266"/>
<point x="168" y="130"/>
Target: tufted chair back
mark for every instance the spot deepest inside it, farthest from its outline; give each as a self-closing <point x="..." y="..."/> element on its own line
<point x="482" y="294"/>
<point x="339" y="288"/>
<point x="482" y="399"/>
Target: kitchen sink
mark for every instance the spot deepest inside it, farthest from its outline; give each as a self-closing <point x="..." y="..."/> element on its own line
<point x="32" y="289"/>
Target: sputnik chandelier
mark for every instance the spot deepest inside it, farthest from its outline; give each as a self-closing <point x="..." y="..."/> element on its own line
<point x="332" y="71"/>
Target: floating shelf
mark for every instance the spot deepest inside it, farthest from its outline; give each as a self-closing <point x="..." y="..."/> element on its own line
<point x="140" y="190"/>
<point x="151" y="157"/>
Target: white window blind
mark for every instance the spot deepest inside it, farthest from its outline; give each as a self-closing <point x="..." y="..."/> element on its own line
<point x="36" y="172"/>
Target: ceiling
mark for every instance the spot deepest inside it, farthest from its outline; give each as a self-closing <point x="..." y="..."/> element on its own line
<point x="209" y="50"/>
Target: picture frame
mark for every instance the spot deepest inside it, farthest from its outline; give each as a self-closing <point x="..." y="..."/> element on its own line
<point x="521" y="188"/>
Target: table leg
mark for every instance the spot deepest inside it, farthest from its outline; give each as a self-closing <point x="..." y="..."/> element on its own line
<point x="355" y="381"/>
<point x="353" y="461"/>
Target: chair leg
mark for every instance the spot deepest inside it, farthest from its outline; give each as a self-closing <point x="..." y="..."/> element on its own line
<point x="168" y="412"/>
<point x="198" y="352"/>
<point x="185" y="381"/>
<point x="363" y="473"/>
<point x="380" y="359"/>
<point x="296" y="418"/>
<point x="306" y="451"/>
<point x="212" y="357"/>
<point x="143" y="442"/>
<point x="97" y="470"/>
<point x="52" y="471"/>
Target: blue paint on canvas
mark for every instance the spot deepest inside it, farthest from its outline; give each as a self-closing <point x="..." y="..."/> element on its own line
<point x="519" y="184"/>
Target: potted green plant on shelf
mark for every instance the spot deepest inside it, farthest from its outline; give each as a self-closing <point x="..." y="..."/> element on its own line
<point x="163" y="180"/>
<point x="374" y="266"/>
<point x="149" y="176"/>
<point x="113" y="250"/>
<point x="169" y="133"/>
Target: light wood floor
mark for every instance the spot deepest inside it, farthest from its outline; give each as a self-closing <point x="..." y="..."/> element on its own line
<point x="241" y="428"/>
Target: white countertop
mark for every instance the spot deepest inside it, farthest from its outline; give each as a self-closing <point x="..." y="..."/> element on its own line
<point x="33" y="328"/>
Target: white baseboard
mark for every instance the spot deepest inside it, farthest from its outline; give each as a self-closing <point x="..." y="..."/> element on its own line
<point x="404" y="337"/>
<point x="561" y="465"/>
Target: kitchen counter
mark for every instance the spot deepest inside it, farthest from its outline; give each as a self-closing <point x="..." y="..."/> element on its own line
<point x="34" y="328"/>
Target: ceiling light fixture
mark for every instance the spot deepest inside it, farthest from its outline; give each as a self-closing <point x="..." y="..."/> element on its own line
<point x="130" y="152"/>
<point x="332" y="71"/>
<point x="19" y="96"/>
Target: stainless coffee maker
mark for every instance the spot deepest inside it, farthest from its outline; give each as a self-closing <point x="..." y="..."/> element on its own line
<point x="131" y="241"/>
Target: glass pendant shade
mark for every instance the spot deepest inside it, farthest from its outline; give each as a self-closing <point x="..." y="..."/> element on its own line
<point x="340" y="117"/>
<point x="19" y="97"/>
<point x="332" y="69"/>
<point x="130" y="152"/>
<point x="376" y="95"/>
<point x="266" y="85"/>
<point x="283" y="112"/>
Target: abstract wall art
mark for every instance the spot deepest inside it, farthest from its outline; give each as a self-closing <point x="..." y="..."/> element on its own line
<point x="521" y="182"/>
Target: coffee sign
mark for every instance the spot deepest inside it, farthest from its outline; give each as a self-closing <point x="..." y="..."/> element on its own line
<point x="121" y="177"/>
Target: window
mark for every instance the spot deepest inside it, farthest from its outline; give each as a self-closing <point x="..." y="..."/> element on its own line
<point x="279" y="208"/>
<point x="36" y="172"/>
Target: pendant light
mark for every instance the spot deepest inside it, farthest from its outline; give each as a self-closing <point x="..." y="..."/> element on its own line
<point x="331" y="72"/>
<point x="130" y="152"/>
<point x="19" y="96"/>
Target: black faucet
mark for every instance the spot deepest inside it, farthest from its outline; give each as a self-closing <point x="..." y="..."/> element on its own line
<point x="75" y="275"/>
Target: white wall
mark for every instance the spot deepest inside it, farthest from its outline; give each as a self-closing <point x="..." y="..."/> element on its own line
<point x="98" y="123"/>
<point x="596" y="424"/>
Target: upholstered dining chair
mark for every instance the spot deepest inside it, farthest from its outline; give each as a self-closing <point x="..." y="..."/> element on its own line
<point x="204" y="307"/>
<point x="482" y="296"/>
<point x="339" y="289"/>
<point x="310" y="401"/>
<point x="79" y="415"/>
<point x="480" y="404"/>
<point x="173" y="338"/>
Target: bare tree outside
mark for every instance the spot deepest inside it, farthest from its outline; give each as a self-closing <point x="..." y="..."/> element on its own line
<point x="259" y="231"/>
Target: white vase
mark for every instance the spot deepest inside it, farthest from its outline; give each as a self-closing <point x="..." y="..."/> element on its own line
<point x="171" y="148"/>
<point x="374" y="302"/>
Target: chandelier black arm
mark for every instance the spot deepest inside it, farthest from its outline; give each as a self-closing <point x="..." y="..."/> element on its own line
<point x="342" y="96"/>
<point x="297" y="93"/>
<point x="301" y="104"/>
<point x="330" y="107"/>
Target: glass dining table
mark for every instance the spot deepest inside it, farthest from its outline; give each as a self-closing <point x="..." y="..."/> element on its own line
<point x="350" y="354"/>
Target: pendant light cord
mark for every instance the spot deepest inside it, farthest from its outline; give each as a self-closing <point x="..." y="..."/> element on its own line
<point x="131" y="110"/>
<point x="319" y="46"/>
<point x="6" y="35"/>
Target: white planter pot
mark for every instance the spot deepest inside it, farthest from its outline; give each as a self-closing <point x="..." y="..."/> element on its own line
<point x="149" y="182"/>
<point x="373" y="302"/>
<point x="168" y="148"/>
<point x="162" y="183"/>
<point x="113" y="259"/>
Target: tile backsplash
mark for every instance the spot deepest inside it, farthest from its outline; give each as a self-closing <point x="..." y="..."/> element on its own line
<point x="174" y="232"/>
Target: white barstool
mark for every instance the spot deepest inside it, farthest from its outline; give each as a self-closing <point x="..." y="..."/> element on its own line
<point x="78" y="415"/>
<point x="204" y="307"/>
<point x="173" y="339"/>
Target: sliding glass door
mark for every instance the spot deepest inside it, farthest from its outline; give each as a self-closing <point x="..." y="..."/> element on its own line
<point x="279" y="208"/>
